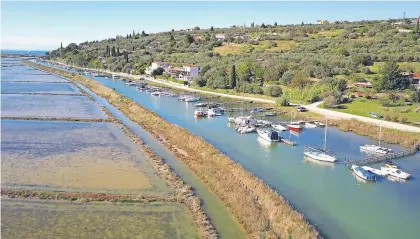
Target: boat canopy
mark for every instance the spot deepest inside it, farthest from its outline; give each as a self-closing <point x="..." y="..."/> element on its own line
<point x="273" y="135"/>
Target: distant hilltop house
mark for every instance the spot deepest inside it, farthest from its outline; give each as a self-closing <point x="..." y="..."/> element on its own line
<point x="323" y="22"/>
<point x="220" y="37"/>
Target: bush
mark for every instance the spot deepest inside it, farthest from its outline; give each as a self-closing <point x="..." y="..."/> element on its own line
<point x="274" y="91"/>
<point x="283" y="101"/>
<point x="403" y="119"/>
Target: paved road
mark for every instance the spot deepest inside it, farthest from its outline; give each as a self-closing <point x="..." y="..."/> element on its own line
<point x="340" y="115"/>
<point x="311" y="107"/>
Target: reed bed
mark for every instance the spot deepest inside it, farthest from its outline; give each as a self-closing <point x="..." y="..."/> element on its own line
<point x="393" y="136"/>
<point x="259" y="209"/>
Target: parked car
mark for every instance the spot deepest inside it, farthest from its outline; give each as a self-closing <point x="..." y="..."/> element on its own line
<point x="301" y="109"/>
<point x="142" y="78"/>
<point x="375" y="115"/>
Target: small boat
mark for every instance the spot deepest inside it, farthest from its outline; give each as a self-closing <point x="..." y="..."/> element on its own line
<point x="319" y="124"/>
<point x="156" y="93"/>
<point x="377" y="149"/>
<point x="278" y="127"/>
<point x="318" y="154"/>
<point x="246" y="129"/>
<point x="288" y="141"/>
<point x="255" y="110"/>
<point x="130" y="83"/>
<point x="390" y="164"/>
<point x="363" y="174"/>
<point x="213" y="112"/>
<point x="115" y="77"/>
<point x="310" y="125"/>
<point x="201" y="104"/>
<point x="141" y="87"/>
<point x="270" y="114"/>
<point x="395" y="172"/>
<point x="200" y="113"/>
<point x="374" y="170"/>
<point x="294" y="126"/>
<point x="269" y="135"/>
<point x="192" y="99"/>
<point x="231" y="119"/>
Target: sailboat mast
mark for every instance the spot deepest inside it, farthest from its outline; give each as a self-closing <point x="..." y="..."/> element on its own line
<point x="325" y="134"/>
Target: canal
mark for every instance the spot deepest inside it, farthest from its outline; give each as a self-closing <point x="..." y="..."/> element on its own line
<point x="330" y="196"/>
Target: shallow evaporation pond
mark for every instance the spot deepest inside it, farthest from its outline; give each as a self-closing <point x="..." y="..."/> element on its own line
<point x="30" y="87"/>
<point x="32" y="77"/>
<point x="46" y="106"/>
<point x="76" y="157"/>
<point x="329" y="196"/>
<point x="42" y="219"/>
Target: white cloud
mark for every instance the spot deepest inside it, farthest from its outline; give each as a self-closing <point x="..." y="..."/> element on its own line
<point x="33" y="43"/>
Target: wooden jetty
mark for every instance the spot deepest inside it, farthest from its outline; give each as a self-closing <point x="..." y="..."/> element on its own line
<point x="379" y="158"/>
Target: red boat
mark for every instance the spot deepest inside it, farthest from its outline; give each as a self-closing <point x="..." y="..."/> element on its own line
<point x="294" y="127"/>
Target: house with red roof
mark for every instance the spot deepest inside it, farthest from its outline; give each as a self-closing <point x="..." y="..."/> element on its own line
<point x="415" y="80"/>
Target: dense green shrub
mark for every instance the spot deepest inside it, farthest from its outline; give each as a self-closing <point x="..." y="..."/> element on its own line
<point x="274" y="91"/>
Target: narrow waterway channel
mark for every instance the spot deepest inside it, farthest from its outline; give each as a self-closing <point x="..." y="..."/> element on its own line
<point x="225" y="224"/>
<point x="330" y="196"/>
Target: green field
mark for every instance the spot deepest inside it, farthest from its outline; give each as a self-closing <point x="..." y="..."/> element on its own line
<point x="234" y="48"/>
<point x="61" y="219"/>
<point x="362" y="107"/>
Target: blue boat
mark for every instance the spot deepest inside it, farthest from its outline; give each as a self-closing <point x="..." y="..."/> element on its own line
<point x="363" y="174"/>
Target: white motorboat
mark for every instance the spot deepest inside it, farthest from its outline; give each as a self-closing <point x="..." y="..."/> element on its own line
<point x="156" y="93"/>
<point x="377" y="149"/>
<point x="192" y="99"/>
<point x="363" y="174"/>
<point x="115" y="77"/>
<point x="213" y="112"/>
<point x="279" y="127"/>
<point x="318" y="154"/>
<point x="395" y="172"/>
<point x="246" y="129"/>
<point x="269" y="135"/>
<point x="231" y="119"/>
<point x="374" y="170"/>
<point x="310" y="125"/>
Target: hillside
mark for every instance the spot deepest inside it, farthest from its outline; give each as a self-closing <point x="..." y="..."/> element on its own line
<point x="306" y="60"/>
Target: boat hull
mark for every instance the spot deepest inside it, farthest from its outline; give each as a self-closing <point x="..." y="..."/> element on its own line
<point x="320" y="156"/>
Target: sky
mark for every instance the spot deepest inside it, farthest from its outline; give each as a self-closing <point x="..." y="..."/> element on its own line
<point x="44" y="25"/>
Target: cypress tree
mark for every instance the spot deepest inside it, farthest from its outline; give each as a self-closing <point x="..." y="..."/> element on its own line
<point x="61" y="50"/>
<point x="211" y="28"/>
<point x="126" y="57"/>
<point x="107" y="51"/>
<point x="417" y="26"/>
<point x="233" y="77"/>
<point x="134" y="34"/>
<point x="113" y="51"/>
<point x="118" y="51"/>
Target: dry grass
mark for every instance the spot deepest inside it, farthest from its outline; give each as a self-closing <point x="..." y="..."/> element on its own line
<point x="258" y="208"/>
<point x="393" y="136"/>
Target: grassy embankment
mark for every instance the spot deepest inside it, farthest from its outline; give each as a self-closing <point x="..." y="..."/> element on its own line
<point x="258" y="208"/>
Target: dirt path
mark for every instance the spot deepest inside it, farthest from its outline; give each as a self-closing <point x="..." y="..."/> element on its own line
<point x="312" y="107"/>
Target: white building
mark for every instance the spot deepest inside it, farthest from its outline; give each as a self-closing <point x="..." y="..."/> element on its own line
<point x="220" y="37"/>
<point x="189" y="73"/>
<point x="154" y="66"/>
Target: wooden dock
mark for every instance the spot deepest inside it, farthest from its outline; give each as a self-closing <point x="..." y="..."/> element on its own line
<point x="379" y="158"/>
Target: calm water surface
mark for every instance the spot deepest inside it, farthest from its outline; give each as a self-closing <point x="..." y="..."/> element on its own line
<point x="329" y="195"/>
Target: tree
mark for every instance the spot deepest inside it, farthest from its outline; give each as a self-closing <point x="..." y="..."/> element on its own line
<point x="263" y="25"/>
<point x="211" y="28"/>
<point x="391" y="79"/>
<point x="274" y="91"/>
<point x="189" y="39"/>
<point x="107" y="51"/>
<point x="113" y="53"/>
<point x="417" y="26"/>
<point x="171" y="38"/>
<point x="134" y="34"/>
<point x="126" y="57"/>
<point x="342" y="85"/>
<point x="196" y="28"/>
<point x="143" y="34"/>
<point x="287" y="77"/>
<point x="118" y="51"/>
<point x="157" y="72"/>
<point x="275" y="24"/>
<point x="300" y="80"/>
<point x="233" y="77"/>
<point x="283" y="101"/>
<point x="61" y="50"/>
<point x="302" y="23"/>
<point x="252" y="24"/>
